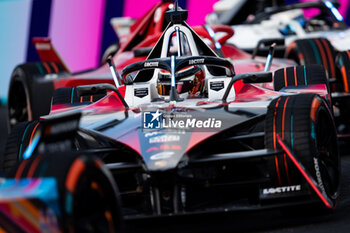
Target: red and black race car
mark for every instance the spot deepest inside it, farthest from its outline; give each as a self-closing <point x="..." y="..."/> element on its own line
<point x="312" y="32"/>
<point x="179" y="133"/>
<point x="26" y="103"/>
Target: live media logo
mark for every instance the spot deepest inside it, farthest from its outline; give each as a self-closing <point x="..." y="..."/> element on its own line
<point x="152" y="120"/>
<point x="156" y="120"/>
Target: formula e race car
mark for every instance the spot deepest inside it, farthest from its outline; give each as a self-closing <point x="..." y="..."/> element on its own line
<point x="308" y="33"/>
<point x="25" y="102"/>
<point x="290" y="22"/>
<point x="179" y="133"/>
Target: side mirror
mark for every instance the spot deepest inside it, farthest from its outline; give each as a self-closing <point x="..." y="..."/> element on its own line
<point x="264" y="44"/>
<point x="253" y="77"/>
<point x="100" y="88"/>
<point x="93" y="89"/>
<point x="261" y="77"/>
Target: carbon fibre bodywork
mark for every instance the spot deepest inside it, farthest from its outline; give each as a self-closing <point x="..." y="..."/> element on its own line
<point x="162" y="172"/>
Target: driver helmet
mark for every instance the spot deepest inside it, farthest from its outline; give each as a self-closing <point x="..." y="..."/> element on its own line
<point x="190" y="80"/>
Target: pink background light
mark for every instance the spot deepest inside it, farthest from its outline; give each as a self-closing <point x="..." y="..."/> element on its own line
<point x="342" y="9"/>
<point x="137" y="8"/>
<point x="344" y="4"/>
<point x="197" y="10"/>
<point x="75" y="30"/>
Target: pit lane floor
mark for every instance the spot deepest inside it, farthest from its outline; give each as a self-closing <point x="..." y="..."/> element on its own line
<point x="262" y="222"/>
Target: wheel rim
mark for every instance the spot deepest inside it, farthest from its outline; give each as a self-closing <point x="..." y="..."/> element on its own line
<point x="327" y="153"/>
<point x="18" y="104"/>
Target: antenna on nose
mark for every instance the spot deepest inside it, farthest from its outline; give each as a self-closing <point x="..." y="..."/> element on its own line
<point x="176" y="15"/>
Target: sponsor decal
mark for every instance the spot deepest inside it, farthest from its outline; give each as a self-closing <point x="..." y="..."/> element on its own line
<point x="61" y="127"/>
<point x="58" y="146"/>
<point x="155" y="133"/>
<point x="162" y="155"/>
<point x="50" y="76"/>
<point x="196" y="61"/>
<point x="318" y="176"/>
<point x="42" y="46"/>
<point x="217" y="86"/>
<point x="153" y="148"/>
<point x="160" y="163"/>
<point x="284" y="189"/>
<point x="164" y="147"/>
<point x="157" y="14"/>
<point x="164" y="138"/>
<point x="141" y="92"/>
<point x="150" y="134"/>
<point x="151" y="64"/>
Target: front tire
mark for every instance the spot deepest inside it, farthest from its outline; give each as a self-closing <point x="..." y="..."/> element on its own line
<point x="88" y="195"/>
<point x="306" y="124"/>
<point x="315" y="51"/>
<point x="17" y="142"/>
<point x="29" y="95"/>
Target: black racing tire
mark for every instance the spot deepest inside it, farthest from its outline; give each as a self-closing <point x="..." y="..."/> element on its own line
<point x="300" y="75"/>
<point x="305" y="123"/>
<point x="314" y="51"/>
<point x="69" y="95"/>
<point x="88" y="196"/>
<point x="29" y="95"/>
<point x="343" y="64"/>
<point x="17" y="142"/>
<point x="110" y="51"/>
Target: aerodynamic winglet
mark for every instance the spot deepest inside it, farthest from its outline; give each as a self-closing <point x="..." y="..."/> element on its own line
<point x="47" y="52"/>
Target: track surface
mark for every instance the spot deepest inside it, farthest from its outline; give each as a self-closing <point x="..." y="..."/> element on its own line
<point x="263" y="222"/>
